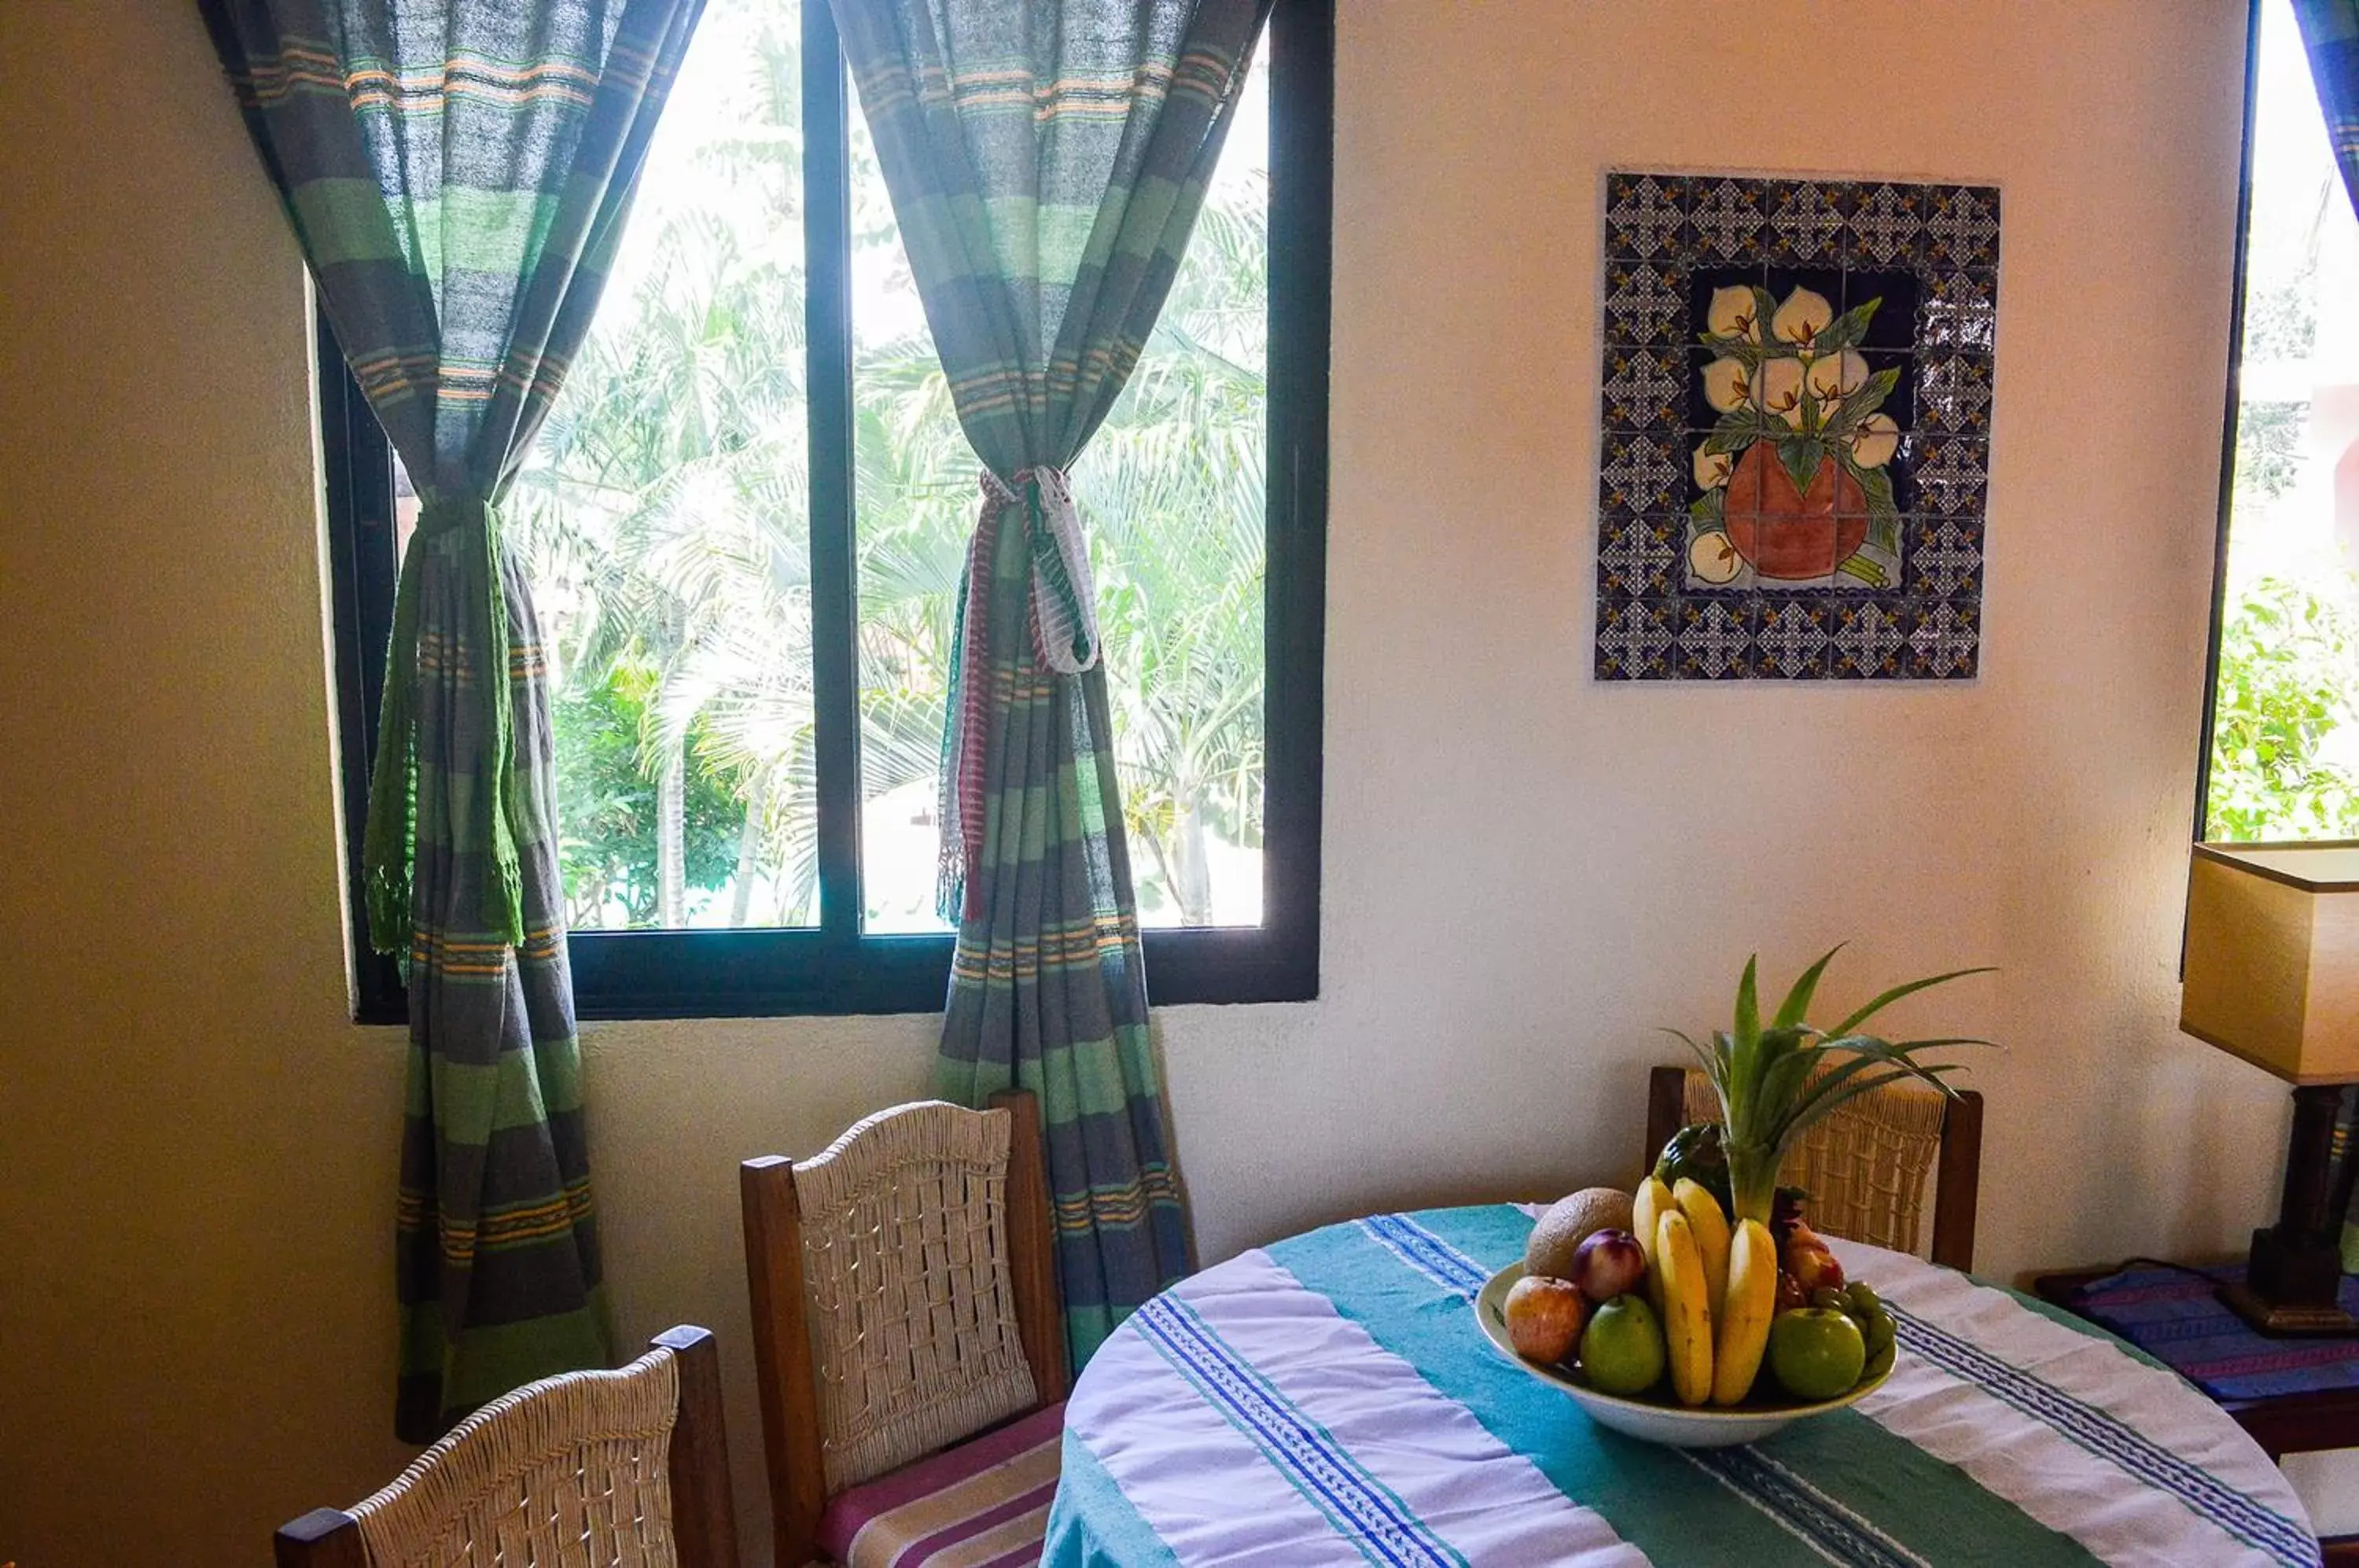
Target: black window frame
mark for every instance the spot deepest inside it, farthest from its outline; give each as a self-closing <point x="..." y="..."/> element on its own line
<point x="834" y="967"/>
<point x="2228" y="428"/>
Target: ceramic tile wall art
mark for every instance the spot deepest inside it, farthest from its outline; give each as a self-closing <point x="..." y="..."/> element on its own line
<point x="1796" y="420"/>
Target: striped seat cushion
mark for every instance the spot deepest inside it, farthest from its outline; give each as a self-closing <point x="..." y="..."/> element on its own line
<point x="981" y="1505"/>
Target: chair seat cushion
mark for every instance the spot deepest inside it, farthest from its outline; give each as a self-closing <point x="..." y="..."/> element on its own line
<point x="983" y="1504"/>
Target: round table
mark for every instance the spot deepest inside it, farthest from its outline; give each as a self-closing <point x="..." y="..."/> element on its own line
<point x="1330" y="1399"/>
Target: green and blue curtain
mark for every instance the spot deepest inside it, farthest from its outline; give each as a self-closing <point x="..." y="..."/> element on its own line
<point x="457" y="173"/>
<point x="1047" y="160"/>
<point x="2329" y="32"/>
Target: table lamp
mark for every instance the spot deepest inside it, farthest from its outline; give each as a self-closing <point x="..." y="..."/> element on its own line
<point x="2272" y="975"/>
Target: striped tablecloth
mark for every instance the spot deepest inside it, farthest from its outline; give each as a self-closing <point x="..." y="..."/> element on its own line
<point x="1331" y="1400"/>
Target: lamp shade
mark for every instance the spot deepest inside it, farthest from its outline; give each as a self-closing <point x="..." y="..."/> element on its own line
<point x="2272" y="968"/>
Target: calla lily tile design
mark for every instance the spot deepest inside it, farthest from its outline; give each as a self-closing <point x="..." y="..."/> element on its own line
<point x="1796" y="399"/>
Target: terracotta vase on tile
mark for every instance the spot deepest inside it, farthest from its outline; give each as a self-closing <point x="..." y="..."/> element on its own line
<point x="1793" y="535"/>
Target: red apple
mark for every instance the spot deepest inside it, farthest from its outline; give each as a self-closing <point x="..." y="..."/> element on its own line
<point x="1799" y="1234"/>
<point x="1545" y="1318"/>
<point x="1609" y="1264"/>
<point x="1806" y="1256"/>
<point x="1814" y="1269"/>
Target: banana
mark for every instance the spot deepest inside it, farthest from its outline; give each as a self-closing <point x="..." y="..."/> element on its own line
<point x="1743" y="1332"/>
<point x="1711" y="1227"/>
<point x="1650" y="1204"/>
<point x="1686" y="1308"/>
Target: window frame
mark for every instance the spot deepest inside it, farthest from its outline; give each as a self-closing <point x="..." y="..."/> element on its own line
<point x="2229" y="427"/>
<point x="834" y="967"/>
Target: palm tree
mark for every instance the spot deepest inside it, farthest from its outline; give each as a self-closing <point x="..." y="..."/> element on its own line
<point x="1171" y="491"/>
<point x="666" y="505"/>
<point x="1174" y="488"/>
<point x="665" y="520"/>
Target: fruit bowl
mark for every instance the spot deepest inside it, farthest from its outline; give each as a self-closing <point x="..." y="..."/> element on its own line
<point x="1658" y="1418"/>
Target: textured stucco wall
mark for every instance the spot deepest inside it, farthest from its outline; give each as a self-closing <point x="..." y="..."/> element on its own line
<point x="1526" y="872"/>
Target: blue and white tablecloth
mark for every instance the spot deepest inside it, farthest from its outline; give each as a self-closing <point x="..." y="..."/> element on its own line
<point x="1330" y="1399"/>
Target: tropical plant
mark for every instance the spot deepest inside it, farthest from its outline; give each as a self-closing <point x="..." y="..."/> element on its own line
<point x="1776" y="1081"/>
<point x="2289" y="669"/>
<point x="664" y="521"/>
<point x="1174" y="484"/>
<point x="663" y="517"/>
<point x="2269" y="457"/>
<point x="607" y="804"/>
<point x="1171" y="489"/>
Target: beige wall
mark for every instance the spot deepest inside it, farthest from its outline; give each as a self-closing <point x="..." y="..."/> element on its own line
<point x="1526" y="872"/>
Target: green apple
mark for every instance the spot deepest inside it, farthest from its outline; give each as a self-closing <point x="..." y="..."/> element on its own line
<point x="1876" y="1320"/>
<point x="1621" y="1350"/>
<point x="1816" y="1353"/>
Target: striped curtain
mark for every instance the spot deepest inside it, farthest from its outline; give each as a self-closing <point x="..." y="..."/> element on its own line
<point x="1047" y="159"/>
<point x="457" y="172"/>
<point x="2329" y="33"/>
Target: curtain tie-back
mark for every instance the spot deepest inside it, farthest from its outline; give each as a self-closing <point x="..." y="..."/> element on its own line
<point x="1064" y="599"/>
<point x="1063" y="616"/>
<point x="386" y="848"/>
<point x="436" y="519"/>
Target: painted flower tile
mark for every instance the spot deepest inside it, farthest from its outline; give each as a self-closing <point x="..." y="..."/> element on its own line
<point x="1796" y="409"/>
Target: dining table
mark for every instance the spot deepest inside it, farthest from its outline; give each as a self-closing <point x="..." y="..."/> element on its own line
<point x="1331" y="1399"/>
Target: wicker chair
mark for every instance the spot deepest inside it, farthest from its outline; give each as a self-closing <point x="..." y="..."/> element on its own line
<point x="1864" y="1164"/>
<point x="905" y="1301"/>
<point x="626" y="1469"/>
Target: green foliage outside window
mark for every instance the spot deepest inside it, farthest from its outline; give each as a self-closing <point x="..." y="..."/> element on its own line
<point x="2268" y="448"/>
<point x="663" y="517"/>
<point x="2288" y="669"/>
<point x="608" y="800"/>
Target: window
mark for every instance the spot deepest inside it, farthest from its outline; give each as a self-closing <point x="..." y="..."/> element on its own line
<point x="2282" y="754"/>
<point x="744" y="521"/>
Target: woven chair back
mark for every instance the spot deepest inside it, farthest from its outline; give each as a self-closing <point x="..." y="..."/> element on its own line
<point x="1864" y="1164"/>
<point x="573" y="1472"/>
<point x="912" y="1314"/>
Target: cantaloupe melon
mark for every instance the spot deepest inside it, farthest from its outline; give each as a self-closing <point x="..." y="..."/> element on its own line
<point x="1571" y="1221"/>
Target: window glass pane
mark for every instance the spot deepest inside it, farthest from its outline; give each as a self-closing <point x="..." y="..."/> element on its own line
<point x="663" y="517"/>
<point x="2285" y="758"/>
<point x="1172" y="496"/>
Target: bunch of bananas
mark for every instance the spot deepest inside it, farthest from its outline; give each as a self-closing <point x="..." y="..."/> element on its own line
<point x="1715" y="1287"/>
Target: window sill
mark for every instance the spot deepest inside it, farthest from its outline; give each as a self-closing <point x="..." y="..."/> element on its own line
<point x="738" y="975"/>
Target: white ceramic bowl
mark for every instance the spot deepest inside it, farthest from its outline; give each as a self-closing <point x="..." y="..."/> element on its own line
<point x="1653" y="1419"/>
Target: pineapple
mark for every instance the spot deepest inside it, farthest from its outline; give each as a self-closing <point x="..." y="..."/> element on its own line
<point x="1765" y="1076"/>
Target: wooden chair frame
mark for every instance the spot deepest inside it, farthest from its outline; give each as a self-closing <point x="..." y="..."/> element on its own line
<point x="703" y="1516"/>
<point x="783" y="1366"/>
<point x="1956" y="1168"/>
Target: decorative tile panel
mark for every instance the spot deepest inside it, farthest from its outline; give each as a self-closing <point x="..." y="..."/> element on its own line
<point x="1647" y="304"/>
<point x="1646" y="216"/>
<point x="1796" y="402"/>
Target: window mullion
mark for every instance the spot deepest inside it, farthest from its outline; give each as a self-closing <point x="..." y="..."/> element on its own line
<point x="1300" y="42"/>
<point x="826" y="284"/>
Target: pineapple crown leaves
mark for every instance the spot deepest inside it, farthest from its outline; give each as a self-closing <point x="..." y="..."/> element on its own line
<point x="1768" y="1079"/>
